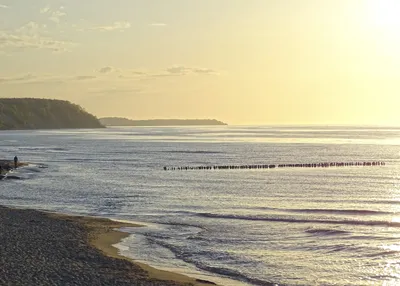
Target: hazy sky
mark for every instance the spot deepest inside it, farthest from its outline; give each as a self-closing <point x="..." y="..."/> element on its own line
<point x="240" y="61"/>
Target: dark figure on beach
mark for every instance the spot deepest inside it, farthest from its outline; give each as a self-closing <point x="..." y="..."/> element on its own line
<point x="15" y="162"/>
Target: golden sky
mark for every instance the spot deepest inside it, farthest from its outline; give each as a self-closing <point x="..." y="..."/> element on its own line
<point x="239" y="61"/>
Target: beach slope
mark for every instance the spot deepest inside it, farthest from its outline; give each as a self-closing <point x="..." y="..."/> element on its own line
<point x="39" y="248"/>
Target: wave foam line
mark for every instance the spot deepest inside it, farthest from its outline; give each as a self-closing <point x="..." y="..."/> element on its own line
<point x="293" y="220"/>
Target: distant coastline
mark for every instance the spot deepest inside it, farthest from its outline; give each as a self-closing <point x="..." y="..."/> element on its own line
<point x="120" y="121"/>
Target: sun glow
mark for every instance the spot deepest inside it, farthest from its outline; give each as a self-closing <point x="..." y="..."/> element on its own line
<point x="385" y="14"/>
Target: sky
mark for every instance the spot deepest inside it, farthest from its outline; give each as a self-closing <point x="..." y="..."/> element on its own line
<point x="239" y="61"/>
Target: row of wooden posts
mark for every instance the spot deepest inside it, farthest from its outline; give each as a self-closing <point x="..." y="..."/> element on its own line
<point x="273" y="166"/>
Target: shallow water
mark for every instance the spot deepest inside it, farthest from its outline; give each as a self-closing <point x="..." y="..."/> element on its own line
<point x="289" y="226"/>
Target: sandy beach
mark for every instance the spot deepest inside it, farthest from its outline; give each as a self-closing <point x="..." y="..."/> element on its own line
<point x="39" y="248"/>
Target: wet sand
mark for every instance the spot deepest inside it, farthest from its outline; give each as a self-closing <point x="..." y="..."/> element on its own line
<point x="40" y="248"/>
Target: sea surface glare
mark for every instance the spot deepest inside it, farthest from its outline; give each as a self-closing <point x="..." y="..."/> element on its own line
<point x="286" y="226"/>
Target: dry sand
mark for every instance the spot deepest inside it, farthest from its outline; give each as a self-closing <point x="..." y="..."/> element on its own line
<point x="39" y="248"/>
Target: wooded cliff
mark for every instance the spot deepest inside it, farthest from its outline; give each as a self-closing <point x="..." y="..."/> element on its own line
<point x="33" y="113"/>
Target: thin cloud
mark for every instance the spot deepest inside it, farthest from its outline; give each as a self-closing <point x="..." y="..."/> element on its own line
<point x="31" y="29"/>
<point x="158" y="24"/>
<point x="161" y="75"/>
<point x="204" y="71"/>
<point x="106" y="70"/>
<point x="173" y="71"/>
<point x="85" y="77"/>
<point x="2" y="6"/>
<point x="129" y="74"/>
<point x="16" y="79"/>
<point x="112" y="91"/>
<point x="118" y="75"/>
<point x="178" y="70"/>
<point x="56" y="16"/>
<point x="182" y="70"/>
<point x="139" y="73"/>
<point x="45" y="10"/>
<point x="18" y="41"/>
<point x="121" y="26"/>
<point x="44" y="79"/>
<point x="31" y="79"/>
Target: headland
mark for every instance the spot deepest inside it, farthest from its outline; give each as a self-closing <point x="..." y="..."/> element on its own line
<point x="35" y="113"/>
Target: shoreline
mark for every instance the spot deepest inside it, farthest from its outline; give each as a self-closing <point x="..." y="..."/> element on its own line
<point x="7" y="166"/>
<point x="105" y="241"/>
<point x="79" y="239"/>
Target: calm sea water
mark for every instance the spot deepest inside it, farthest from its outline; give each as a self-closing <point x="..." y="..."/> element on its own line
<point x="328" y="226"/>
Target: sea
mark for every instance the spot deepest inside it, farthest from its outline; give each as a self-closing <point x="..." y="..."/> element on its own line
<point x="281" y="226"/>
